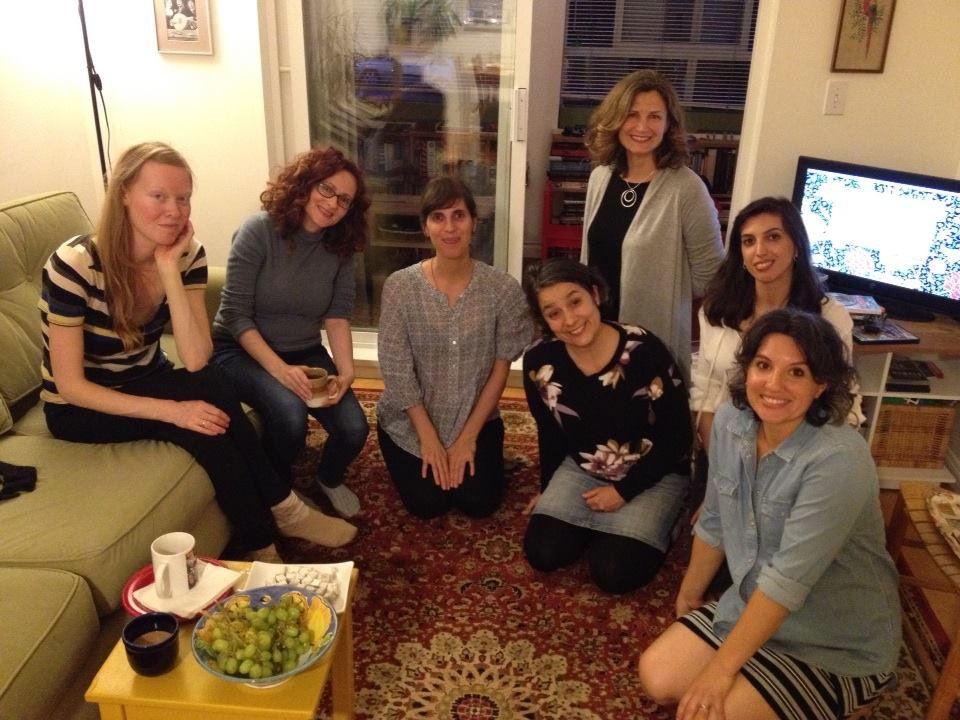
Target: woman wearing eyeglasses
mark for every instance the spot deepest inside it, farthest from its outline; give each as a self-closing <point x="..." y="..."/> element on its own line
<point x="290" y="274"/>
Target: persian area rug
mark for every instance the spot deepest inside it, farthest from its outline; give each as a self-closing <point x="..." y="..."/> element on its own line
<point x="451" y="623"/>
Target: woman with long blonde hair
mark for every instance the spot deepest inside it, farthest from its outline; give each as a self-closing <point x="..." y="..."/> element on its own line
<point x="105" y="300"/>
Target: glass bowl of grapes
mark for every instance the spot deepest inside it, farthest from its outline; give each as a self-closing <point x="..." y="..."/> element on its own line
<point x="264" y="636"/>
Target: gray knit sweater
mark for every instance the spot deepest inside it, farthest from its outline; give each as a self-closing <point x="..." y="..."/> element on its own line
<point x="284" y="288"/>
<point x="670" y="252"/>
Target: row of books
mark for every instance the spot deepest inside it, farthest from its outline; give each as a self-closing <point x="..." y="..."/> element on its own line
<point x="717" y="166"/>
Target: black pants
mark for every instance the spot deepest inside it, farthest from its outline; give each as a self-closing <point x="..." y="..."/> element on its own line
<point x="244" y="481"/>
<point x="477" y="496"/>
<point x="618" y="564"/>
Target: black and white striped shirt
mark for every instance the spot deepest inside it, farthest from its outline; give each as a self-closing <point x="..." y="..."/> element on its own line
<point x="73" y="295"/>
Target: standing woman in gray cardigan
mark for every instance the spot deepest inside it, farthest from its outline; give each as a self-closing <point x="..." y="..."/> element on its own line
<point x="650" y="226"/>
<point x="290" y="274"/>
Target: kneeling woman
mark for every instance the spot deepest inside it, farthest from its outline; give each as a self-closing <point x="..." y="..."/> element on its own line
<point x="449" y="329"/>
<point x="106" y="298"/>
<point x="810" y="628"/>
<point x="614" y="434"/>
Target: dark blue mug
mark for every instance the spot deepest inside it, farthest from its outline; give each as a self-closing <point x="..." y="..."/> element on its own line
<point x="152" y="643"/>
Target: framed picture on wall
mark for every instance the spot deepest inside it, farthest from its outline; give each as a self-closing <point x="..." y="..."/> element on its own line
<point x="862" y="35"/>
<point x="183" y="26"/>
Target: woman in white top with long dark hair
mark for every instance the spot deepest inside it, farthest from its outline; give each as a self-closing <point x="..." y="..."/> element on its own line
<point x="768" y="266"/>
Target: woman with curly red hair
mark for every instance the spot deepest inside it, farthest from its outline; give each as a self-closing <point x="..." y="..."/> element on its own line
<point x="290" y="274"/>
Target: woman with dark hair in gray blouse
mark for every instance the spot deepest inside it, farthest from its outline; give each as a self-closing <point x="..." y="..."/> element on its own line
<point x="449" y="328"/>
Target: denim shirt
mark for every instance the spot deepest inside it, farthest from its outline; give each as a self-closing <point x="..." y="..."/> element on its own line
<point x="804" y="526"/>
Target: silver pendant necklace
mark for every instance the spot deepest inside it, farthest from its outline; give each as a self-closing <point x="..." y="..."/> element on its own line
<point x="628" y="198"/>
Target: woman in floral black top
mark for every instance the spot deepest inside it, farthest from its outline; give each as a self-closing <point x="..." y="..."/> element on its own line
<point x="614" y="434"/>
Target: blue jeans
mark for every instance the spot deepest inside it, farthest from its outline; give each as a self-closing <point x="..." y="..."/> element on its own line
<point x="284" y="414"/>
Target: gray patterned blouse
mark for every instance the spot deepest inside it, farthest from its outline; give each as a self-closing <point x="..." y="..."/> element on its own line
<point x="441" y="356"/>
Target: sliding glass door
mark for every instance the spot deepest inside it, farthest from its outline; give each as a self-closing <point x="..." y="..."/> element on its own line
<point x="413" y="89"/>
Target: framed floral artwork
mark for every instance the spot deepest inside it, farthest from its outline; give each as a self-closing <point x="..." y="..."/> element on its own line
<point x="183" y="26"/>
<point x="862" y="35"/>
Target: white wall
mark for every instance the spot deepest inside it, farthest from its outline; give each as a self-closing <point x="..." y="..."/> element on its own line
<point x="211" y="108"/>
<point x="46" y="118"/>
<point x="905" y="118"/>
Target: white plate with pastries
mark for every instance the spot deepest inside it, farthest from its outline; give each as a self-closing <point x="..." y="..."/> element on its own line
<point x="331" y="580"/>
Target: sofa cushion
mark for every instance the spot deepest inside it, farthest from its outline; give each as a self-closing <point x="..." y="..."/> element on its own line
<point x="97" y="508"/>
<point x="49" y="626"/>
<point x="30" y="229"/>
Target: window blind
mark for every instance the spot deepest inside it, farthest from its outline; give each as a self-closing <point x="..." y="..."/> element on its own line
<point x="702" y="46"/>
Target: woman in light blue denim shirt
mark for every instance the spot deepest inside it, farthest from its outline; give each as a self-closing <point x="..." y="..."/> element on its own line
<point x="811" y="625"/>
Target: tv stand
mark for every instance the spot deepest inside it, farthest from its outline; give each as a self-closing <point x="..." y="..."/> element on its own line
<point x="899" y="310"/>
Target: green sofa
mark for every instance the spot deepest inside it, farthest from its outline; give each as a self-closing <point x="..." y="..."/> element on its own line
<point x="68" y="547"/>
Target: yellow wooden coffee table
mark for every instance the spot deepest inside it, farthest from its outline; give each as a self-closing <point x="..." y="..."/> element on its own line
<point x="188" y="692"/>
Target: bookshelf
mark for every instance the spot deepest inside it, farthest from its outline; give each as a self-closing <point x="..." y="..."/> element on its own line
<point x="564" y="197"/>
<point x="940" y="343"/>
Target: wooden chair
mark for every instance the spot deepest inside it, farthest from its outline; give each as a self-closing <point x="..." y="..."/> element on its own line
<point x="912" y="526"/>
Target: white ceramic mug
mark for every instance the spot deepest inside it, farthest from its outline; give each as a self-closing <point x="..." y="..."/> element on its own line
<point x="175" y="568"/>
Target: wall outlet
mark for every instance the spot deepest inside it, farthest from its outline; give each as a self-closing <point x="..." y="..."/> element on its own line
<point x="835" y="101"/>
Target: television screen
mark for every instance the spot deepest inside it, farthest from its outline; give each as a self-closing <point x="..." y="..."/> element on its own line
<point x="890" y="234"/>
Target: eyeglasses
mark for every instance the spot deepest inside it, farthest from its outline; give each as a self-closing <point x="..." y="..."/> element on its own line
<point x="329" y="191"/>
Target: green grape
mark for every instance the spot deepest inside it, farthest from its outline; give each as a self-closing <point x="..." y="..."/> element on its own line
<point x="256" y="642"/>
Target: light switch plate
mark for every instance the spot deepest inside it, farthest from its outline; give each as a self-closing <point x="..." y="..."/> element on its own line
<point x="835" y="101"/>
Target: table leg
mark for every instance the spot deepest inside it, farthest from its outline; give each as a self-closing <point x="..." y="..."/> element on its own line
<point x="946" y="691"/>
<point x="112" y="712"/>
<point x="341" y="675"/>
<point x="898" y="527"/>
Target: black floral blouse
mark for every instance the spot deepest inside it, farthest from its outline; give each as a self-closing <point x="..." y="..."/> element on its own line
<point x="628" y="424"/>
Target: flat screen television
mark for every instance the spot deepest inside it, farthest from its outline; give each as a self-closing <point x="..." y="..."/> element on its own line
<point x="890" y="234"/>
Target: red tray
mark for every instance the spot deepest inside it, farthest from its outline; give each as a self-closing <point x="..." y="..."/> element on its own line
<point x="143" y="577"/>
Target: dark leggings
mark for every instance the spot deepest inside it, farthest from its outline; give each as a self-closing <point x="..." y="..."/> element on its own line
<point x="245" y="484"/>
<point x="618" y="564"/>
<point x="477" y="496"/>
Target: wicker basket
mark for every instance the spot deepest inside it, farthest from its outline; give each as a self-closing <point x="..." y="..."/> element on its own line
<point x="913" y="436"/>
